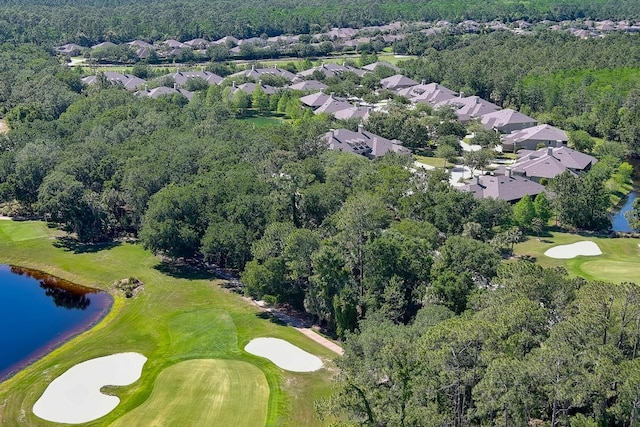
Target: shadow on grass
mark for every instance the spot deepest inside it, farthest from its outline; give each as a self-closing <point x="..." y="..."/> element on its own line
<point x="184" y="270"/>
<point x="72" y="244"/>
<point x="270" y="317"/>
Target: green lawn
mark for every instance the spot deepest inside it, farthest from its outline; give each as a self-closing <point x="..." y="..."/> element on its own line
<point x="619" y="262"/>
<point x="180" y="315"/>
<point x="204" y="393"/>
<point x="436" y="162"/>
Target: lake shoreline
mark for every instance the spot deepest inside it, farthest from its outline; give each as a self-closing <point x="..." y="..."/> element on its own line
<point x="105" y="307"/>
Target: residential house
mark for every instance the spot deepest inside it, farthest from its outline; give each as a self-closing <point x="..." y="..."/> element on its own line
<point x="390" y="38"/>
<point x="397" y="82"/>
<point x="342" y="33"/>
<point x="354" y="112"/>
<point x="227" y="40"/>
<point x="128" y="81"/>
<point x="467" y="108"/>
<point x="250" y="87"/>
<point x="198" y="44"/>
<point x="372" y="67"/>
<point x="181" y="77"/>
<point x="143" y="52"/>
<point x="550" y="162"/>
<point x="306" y="85"/>
<point x="332" y="105"/>
<point x="253" y="41"/>
<point x="507" y="121"/>
<point x="315" y="100"/>
<point x="531" y="138"/>
<point x="363" y="142"/>
<point x="431" y="94"/>
<point x="258" y="73"/>
<point x="164" y="91"/>
<point x="331" y="70"/>
<point x="70" y="49"/>
<point x="136" y="44"/>
<point x="510" y="188"/>
<point x="174" y="44"/>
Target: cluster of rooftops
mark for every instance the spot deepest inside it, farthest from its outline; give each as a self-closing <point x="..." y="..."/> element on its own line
<point x="349" y="38"/>
<point x="518" y="131"/>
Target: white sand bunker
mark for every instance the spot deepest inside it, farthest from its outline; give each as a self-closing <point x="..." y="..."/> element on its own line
<point x="573" y="250"/>
<point x="74" y="397"/>
<point x="284" y="354"/>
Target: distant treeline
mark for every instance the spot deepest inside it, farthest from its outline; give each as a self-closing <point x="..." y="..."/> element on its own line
<point x="91" y="21"/>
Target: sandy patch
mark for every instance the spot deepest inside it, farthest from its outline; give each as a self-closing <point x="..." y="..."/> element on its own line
<point x="3" y="126"/>
<point x="284" y="354"/>
<point x="585" y="248"/>
<point x="74" y="397"/>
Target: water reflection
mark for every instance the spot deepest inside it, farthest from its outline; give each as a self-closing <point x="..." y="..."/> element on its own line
<point x="43" y="312"/>
<point x="619" y="221"/>
<point x="63" y="293"/>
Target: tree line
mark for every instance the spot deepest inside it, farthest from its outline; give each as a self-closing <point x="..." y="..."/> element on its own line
<point x="89" y="22"/>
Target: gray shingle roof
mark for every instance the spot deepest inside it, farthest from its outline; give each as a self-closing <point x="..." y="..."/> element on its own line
<point x="308" y="85"/>
<point x="331" y="105"/>
<point x="164" y="91"/>
<point x="363" y="142"/>
<point x="372" y="67"/>
<point x="315" y="99"/>
<point x="543" y="132"/>
<point x="509" y="188"/>
<point x="129" y="81"/>
<point x="181" y="77"/>
<point x="552" y="161"/>
<point x="499" y="119"/>
<point x="397" y="81"/>
<point x="352" y="113"/>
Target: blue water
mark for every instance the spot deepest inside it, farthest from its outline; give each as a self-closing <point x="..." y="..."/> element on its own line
<point x="39" y="312"/>
<point x="619" y="222"/>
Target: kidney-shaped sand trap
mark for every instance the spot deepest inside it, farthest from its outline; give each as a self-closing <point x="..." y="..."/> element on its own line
<point x="74" y="397"/>
<point x="573" y="250"/>
<point x="284" y="354"/>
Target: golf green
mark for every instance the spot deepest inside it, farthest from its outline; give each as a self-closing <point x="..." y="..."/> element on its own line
<point x="204" y="393"/>
<point x="619" y="262"/>
<point x="179" y="315"/>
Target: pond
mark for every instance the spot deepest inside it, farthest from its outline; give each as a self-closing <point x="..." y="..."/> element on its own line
<point x="619" y="222"/>
<point x="39" y="312"/>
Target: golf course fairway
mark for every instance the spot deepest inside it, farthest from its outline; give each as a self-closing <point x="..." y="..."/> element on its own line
<point x="204" y="392"/>
<point x="180" y="315"/>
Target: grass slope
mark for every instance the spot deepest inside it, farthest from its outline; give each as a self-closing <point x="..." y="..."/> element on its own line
<point x="619" y="262"/>
<point x="204" y="392"/>
<point x="180" y="315"/>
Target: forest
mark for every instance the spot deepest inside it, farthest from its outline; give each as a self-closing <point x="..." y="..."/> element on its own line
<point x="408" y="272"/>
<point x="89" y="22"/>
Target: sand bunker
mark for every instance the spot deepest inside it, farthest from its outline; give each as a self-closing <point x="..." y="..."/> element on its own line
<point x="74" y="397"/>
<point x="284" y="354"/>
<point x="573" y="250"/>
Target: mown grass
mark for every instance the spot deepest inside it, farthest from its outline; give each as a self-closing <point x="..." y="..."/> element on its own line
<point x="204" y="392"/>
<point x="436" y="162"/>
<point x="619" y="262"/>
<point x="178" y="316"/>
